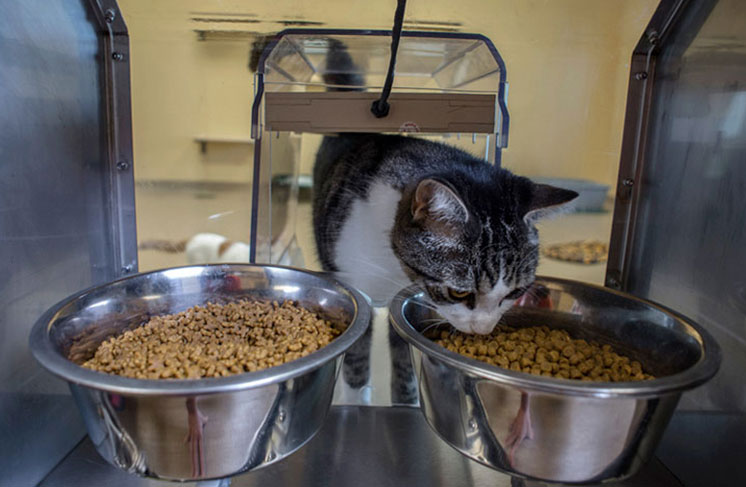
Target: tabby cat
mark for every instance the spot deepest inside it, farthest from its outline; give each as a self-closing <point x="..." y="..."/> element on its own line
<point x="392" y="210"/>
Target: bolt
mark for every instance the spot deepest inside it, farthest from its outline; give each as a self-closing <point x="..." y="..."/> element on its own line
<point x="123" y="165"/>
<point x="473" y="424"/>
<point x="126" y="269"/>
<point x="110" y="15"/>
<point x="117" y="56"/>
<point x="628" y="182"/>
<point x="641" y="75"/>
<point x="281" y="415"/>
<point x="653" y="37"/>
<point x="613" y="282"/>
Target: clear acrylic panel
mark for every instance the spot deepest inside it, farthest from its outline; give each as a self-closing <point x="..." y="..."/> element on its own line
<point x="278" y="199"/>
<point x="423" y="63"/>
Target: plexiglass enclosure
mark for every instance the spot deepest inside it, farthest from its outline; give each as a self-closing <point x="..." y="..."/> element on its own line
<point x="446" y="86"/>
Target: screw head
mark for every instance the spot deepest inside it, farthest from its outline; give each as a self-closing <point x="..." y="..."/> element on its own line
<point x="612" y="283"/>
<point x="126" y="269"/>
<point x="653" y="37"/>
<point x="629" y="182"/>
<point x="117" y="56"/>
<point x="110" y="15"/>
<point x="641" y="75"/>
<point x="123" y="165"/>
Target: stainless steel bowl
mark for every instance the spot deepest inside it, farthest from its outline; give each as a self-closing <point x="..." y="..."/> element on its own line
<point x="558" y="430"/>
<point x="205" y="428"/>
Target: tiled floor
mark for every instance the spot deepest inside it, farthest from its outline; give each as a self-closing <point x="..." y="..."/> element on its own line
<point x="176" y="213"/>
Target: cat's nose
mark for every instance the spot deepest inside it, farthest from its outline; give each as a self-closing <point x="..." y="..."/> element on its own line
<point x="482" y="328"/>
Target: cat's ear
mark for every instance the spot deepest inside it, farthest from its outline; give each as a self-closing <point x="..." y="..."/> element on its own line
<point x="547" y="200"/>
<point x="435" y="201"/>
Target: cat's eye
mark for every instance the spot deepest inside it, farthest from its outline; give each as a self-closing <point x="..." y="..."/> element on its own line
<point x="458" y="295"/>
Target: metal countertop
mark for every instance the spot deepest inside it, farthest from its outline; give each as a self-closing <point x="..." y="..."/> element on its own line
<point x="358" y="445"/>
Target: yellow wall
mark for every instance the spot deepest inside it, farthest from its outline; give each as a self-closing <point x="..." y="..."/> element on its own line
<point x="567" y="63"/>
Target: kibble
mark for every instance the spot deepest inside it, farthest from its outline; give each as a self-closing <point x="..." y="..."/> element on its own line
<point x="215" y="340"/>
<point x="584" y="251"/>
<point x="540" y="350"/>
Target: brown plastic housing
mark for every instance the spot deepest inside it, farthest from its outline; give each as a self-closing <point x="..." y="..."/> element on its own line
<point x="350" y="112"/>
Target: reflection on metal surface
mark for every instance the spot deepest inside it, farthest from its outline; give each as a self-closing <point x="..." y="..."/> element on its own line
<point x="206" y="428"/>
<point x="552" y="429"/>
<point x="196" y="421"/>
<point x="206" y="436"/>
<point x="66" y="212"/>
<point x="377" y="370"/>
<point x="690" y="246"/>
<point x="357" y="446"/>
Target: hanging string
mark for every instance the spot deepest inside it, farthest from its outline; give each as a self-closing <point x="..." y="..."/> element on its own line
<point x="380" y="107"/>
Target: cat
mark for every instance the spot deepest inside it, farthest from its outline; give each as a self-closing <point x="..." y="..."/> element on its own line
<point x="202" y="248"/>
<point x="393" y="210"/>
<point x="390" y="211"/>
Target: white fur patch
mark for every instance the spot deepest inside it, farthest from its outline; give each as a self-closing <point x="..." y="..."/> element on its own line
<point x="237" y="252"/>
<point x="488" y="309"/>
<point x="204" y="248"/>
<point x="363" y="251"/>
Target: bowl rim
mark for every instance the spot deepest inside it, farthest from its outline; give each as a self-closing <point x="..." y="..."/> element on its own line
<point x="706" y="367"/>
<point x="45" y="352"/>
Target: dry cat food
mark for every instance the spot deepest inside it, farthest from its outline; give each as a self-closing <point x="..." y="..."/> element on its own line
<point x="539" y="350"/>
<point x="214" y="341"/>
<point x="585" y="252"/>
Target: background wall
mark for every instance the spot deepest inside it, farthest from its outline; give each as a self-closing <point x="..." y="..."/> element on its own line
<point x="567" y="63"/>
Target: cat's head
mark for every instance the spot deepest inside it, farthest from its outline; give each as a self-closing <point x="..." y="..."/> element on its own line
<point x="471" y="244"/>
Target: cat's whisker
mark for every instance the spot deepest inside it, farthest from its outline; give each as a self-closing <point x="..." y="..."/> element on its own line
<point x="368" y="262"/>
<point x="432" y="320"/>
<point x="431" y="305"/>
<point x="525" y="257"/>
<point x="424" y="305"/>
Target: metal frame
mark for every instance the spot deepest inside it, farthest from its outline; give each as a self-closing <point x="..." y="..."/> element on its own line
<point x="120" y="198"/>
<point x="68" y="200"/>
<point x="632" y="158"/>
<point x="501" y="141"/>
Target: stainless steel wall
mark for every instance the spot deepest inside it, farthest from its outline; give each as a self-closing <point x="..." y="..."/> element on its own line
<point x="57" y="213"/>
<point x="689" y="248"/>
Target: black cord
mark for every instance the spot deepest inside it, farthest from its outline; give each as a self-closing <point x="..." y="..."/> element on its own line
<point x="380" y="107"/>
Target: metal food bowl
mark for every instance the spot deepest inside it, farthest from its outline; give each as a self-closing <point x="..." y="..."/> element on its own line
<point x="557" y="430"/>
<point x="199" y="428"/>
